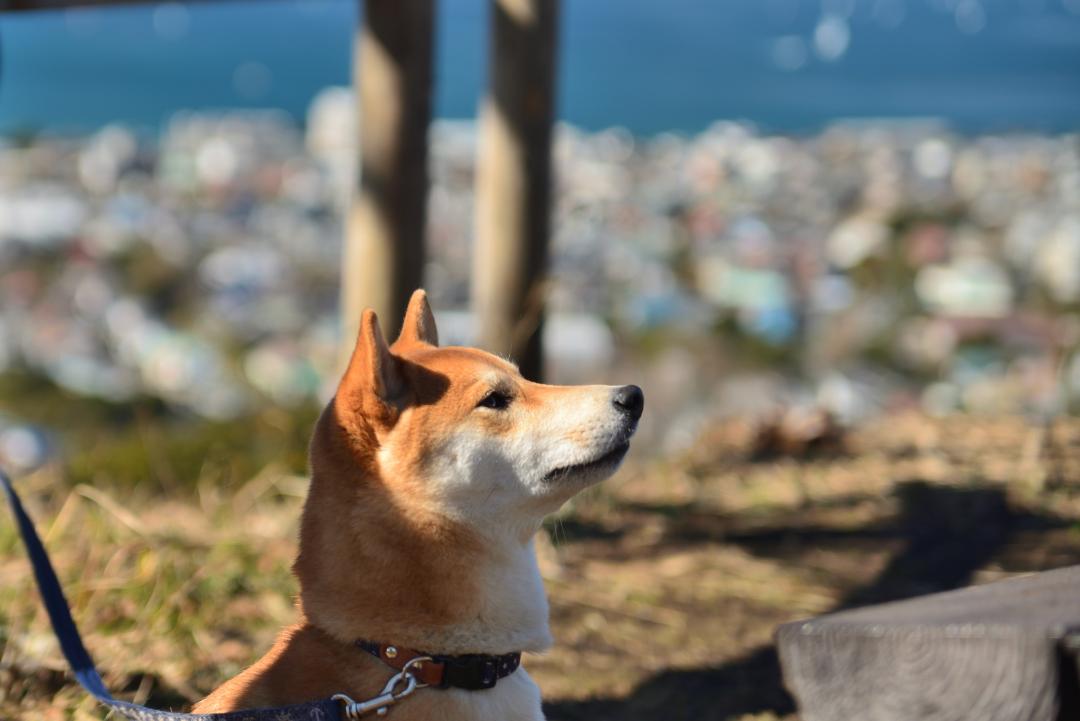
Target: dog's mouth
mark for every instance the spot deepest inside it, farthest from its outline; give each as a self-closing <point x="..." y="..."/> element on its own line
<point x="611" y="459"/>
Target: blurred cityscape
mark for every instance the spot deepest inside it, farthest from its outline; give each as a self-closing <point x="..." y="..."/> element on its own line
<point x="878" y="264"/>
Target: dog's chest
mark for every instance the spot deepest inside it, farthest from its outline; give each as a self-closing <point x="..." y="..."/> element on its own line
<point x="515" y="698"/>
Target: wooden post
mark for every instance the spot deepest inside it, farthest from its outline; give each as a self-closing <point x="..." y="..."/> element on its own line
<point x="1004" y="651"/>
<point x="514" y="181"/>
<point x="384" y="247"/>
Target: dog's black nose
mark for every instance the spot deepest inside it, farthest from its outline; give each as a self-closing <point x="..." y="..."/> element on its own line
<point x="630" y="400"/>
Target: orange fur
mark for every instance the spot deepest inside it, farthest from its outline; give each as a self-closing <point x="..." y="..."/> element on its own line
<point x="381" y="556"/>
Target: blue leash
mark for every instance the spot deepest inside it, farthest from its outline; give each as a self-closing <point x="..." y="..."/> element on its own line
<point x="83" y="666"/>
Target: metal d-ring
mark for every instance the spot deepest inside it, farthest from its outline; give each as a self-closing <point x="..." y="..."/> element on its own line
<point x="381" y="704"/>
<point x="408" y="669"/>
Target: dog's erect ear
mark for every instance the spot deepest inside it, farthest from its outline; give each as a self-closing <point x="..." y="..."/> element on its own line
<point x="373" y="372"/>
<point x="419" y="323"/>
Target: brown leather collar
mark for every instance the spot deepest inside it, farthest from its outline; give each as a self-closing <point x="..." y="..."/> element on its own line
<point x="472" y="671"/>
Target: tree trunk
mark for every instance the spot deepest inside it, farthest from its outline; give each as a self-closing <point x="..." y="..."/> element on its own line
<point x="384" y="248"/>
<point x="514" y="181"/>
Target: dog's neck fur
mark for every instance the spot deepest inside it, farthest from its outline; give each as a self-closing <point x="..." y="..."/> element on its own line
<point x="374" y="566"/>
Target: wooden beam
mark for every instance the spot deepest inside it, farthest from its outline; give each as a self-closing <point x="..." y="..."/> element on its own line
<point x="1004" y="651"/>
<point x="384" y="248"/>
<point x="514" y="181"/>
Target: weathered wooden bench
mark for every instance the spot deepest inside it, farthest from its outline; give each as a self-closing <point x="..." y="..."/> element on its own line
<point x="1004" y="651"/>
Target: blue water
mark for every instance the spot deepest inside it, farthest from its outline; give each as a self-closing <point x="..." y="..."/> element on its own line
<point x="647" y="65"/>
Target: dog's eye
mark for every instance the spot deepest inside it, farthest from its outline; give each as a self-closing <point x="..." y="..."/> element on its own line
<point x="495" y="400"/>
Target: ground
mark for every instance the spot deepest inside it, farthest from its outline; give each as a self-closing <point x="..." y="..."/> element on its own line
<point x="666" y="584"/>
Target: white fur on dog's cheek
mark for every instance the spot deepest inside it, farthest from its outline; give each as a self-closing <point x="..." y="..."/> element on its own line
<point x="471" y="476"/>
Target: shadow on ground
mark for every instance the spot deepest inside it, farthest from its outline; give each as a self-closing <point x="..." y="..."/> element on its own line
<point x="948" y="533"/>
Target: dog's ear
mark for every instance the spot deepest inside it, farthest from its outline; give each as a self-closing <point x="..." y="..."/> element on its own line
<point x="373" y="379"/>
<point x="419" y="323"/>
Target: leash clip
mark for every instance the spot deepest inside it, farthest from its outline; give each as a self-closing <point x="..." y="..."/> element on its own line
<point x="381" y="704"/>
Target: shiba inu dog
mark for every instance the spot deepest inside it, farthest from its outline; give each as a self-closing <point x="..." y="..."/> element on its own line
<point x="431" y="471"/>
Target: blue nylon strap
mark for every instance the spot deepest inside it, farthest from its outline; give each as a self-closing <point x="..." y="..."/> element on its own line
<point x="83" y="666"/>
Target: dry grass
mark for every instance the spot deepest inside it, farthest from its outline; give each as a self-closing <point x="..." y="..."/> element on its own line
<point x="172" y="595"/>
<point x="666" y="584"/>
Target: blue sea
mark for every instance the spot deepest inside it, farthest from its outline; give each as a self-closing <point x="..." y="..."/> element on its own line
<point x="650" y="66"/>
